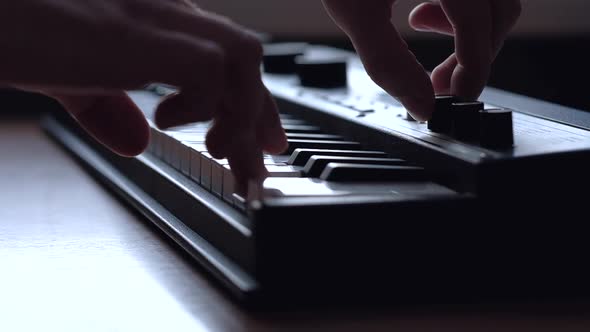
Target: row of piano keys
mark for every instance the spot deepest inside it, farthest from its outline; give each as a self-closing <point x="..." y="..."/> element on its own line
<point x="316" y="163"/>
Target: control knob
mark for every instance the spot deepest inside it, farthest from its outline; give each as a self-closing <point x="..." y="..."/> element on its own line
<point x="323" y="71"/>
<point x="496" y="129"/>
<point x="442" y="121"/>
<point x="465" y="119"/>
<point x="279" y="58"/>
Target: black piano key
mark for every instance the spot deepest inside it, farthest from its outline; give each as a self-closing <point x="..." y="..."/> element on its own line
<point x="321" y="144"/>
<point x="314" y="136"/>
<point x="300" y="157"/>
<point x="302" y="129"/>
<point x="341" y="172"/>
<point x="316" y="164"/>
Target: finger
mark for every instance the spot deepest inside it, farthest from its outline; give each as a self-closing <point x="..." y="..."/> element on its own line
<point x="385" y="55"/>
<point x="245" y="159"/>
<point x="150" y="54"/>
<point x="113" y="120"/>
<point x="430" y="17"/>
<point x="179" y="109"/>
<point x="241" y="51"/>
<point x="190" y="4"/>
<point x="196" y="65"/>
<point x="247" y="165"/>
<point x="220" y="138"/>
<point x="233" y="135"/>
<point x="441" y="76"/>
<point x="272" y="136"/>
<point x="238" y="119"/>
<point x="472" y="24"/>
<point x="506" y="14"/>
<point x="201" y="93"/>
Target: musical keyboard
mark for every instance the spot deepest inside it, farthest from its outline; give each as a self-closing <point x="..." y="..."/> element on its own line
<point x="366" y="202"/>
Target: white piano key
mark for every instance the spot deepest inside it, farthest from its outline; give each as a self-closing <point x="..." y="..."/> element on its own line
<point x="228" y="184"/>
<point x="222" y="179"/>
<point x="195" y="151"/>
<point x="217" y="167"/>
<point x="206" y="159"/>
<point x="167" y="143"/>
<point x="308" y="187"/>
<point x="227" y="181"/>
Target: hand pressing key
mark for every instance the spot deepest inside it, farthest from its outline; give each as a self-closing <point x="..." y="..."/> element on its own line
<point x="479" y="27"/>
<point x="87" y="53"/>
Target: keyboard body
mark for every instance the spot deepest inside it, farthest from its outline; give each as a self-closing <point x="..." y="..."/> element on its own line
<point x="482" y="222"/>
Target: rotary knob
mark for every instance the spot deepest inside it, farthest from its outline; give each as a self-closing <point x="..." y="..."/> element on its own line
<point x="465" y="119"/>
<point x="324" y="72"/>
<point x="442" y="120"/>
<point x="280" y="58"/>
<point x="496" y="129"/>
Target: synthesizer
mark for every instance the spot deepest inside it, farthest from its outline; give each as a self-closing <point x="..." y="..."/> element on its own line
<point x="487" y="199"/>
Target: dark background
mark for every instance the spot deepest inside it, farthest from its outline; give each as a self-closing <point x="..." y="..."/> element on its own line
<point x="553" y="68"/>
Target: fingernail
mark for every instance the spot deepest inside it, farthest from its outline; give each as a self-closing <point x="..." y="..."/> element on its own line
<point x="420" y="108"/>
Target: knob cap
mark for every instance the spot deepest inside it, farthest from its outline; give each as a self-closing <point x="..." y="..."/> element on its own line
<point x="442" y="121"/>
<point x="465" y="118"/>
<point x="280" y="58"/>
<point x="496" y="129"/>
<point x="325" y="72"/>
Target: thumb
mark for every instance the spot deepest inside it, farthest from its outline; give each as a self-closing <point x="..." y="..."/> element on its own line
<point x="113" y="120"/>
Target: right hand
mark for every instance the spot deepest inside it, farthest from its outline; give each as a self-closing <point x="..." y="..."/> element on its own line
<point x="87" y="53"/>
<point x="479" y="27"/>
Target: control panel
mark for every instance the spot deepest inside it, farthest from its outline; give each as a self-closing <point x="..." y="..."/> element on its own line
<point x="498" y="142"/>
<point x="335" y="82"/>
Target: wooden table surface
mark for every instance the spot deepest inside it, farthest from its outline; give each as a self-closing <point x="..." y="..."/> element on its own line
<point x="74" y="258"/>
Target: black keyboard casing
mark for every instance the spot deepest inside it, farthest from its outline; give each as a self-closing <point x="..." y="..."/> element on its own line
<point x="515" y="228"/>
